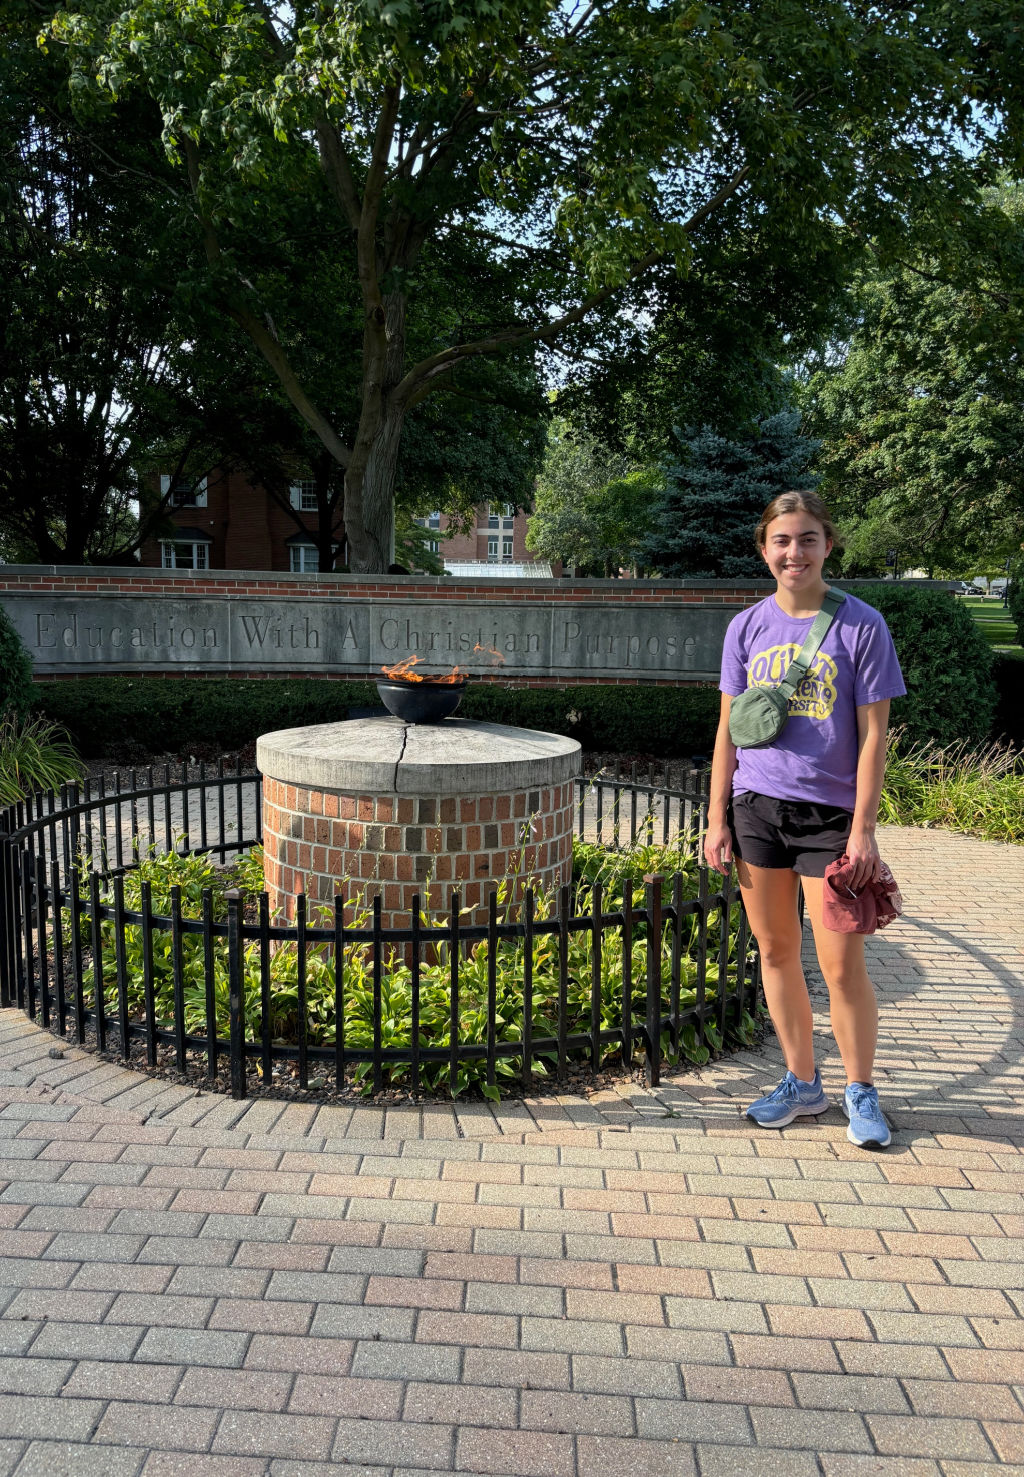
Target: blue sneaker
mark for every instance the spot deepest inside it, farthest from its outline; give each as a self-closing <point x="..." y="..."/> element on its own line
<point x="791" y="1099"/>
<point x="868" y="1128"/>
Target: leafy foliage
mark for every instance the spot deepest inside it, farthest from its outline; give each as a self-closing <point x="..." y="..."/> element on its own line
<point x="34" y="755"/>
<point x="586" y="146"/>
<point x="197" y="884"/>
<point x="946" y="663"/>
<point x="979" y="791"/>
<point x="715" y="491"/>
<point x="96" y="381"/>
<point x="712" y="348"/>
<point x="592" y="509"/>
<point x="15" y="669"/>
<point x="922" y="418"/>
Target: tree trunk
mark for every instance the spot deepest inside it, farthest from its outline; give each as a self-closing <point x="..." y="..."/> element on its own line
<point x="378" y="490"/>
<point x="370" y="480"/>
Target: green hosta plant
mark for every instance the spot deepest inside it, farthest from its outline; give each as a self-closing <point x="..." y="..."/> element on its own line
<point x="197" y="879"/>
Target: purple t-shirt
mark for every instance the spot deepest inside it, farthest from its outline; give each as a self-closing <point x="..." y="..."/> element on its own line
<point x="815" y="756"/>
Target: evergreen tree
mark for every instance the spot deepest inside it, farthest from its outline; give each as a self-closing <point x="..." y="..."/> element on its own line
<point x="716" y="490"/>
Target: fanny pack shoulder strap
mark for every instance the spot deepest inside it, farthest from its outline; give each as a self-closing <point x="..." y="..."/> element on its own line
<point x="798" y="667"/>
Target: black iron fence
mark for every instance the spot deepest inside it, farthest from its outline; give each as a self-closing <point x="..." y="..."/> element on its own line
<point x="189" y="970"/>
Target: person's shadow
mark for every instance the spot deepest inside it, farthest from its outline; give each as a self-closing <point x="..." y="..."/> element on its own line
<point x="909" y="1091"/>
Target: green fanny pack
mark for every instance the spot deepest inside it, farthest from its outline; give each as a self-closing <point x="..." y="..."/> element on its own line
<point x="758" y="716"/>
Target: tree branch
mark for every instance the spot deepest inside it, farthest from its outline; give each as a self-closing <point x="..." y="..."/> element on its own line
<point x="278" y="46"/>
<point x="574" y="30"/>
<point x="367" y="230"/>
<point x="337" y="171"/>
<point x="259" y="333"/>
<point x="429" y="369"/>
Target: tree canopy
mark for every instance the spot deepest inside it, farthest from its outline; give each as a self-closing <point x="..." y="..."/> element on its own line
<point x="586" y="145"/>
<point x="591" y="505"/>
<point x="922" y="416"/>
<point x="90" y="373"/>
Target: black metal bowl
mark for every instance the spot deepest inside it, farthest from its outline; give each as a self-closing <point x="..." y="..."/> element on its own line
<point x="421" y="702"/>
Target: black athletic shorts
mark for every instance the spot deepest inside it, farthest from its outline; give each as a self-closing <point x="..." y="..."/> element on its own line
<point x="794" y="834"/>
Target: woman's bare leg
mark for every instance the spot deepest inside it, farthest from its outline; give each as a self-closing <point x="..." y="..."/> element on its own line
<point x="854" y="1009"/>
<point x="770" y="898"/>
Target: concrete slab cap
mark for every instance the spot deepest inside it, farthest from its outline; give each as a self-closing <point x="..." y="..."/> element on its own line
<point x="386" y="755"/>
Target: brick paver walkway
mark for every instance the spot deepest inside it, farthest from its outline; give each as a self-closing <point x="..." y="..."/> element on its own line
<point x="635" y="1284"/>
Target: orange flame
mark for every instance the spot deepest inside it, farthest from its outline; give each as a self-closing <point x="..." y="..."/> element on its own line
<point x="403" y="672"/>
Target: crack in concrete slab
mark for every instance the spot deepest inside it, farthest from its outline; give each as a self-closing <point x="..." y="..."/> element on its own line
<point x="401" y="756"/>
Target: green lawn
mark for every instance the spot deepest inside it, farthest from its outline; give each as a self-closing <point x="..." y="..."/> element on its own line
<point x="996" y="623"/>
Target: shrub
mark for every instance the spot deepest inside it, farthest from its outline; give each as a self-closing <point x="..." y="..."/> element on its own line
<point x="15" y="670"/>
<point x="662" y="721"/>
<point x="190" y="715"/>
<point x="207" y="716"/>
<point x="947" y="665"/>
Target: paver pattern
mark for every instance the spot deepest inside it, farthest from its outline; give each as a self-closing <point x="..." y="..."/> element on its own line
<point x="638" y="1283"/>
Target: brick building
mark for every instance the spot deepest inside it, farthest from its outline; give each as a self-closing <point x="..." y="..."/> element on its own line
<point x="495" y="547"/>
<point x="226" y="522"/>
<point x="223" y="521"/>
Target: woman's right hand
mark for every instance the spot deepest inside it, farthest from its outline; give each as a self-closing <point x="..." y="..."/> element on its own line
<point x="718" y="847"/>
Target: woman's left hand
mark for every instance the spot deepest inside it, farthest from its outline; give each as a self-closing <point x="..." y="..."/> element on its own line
<point x="862" y="854"/>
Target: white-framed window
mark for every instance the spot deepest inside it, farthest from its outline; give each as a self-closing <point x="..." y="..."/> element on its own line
<point x="303" y="559"/>
<point x="432" y="520"/>
<point x="501" y="515"/>
<point x="185" y="492"/>
<point x="506" y="550"/>
<point x="433" y="546"/>
<point x="184" y="554"/>
<point x="302" y="495"/>
<point x="492" y="550"/>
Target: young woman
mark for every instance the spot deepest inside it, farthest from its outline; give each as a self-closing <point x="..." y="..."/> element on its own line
<point x="785" y="811"/>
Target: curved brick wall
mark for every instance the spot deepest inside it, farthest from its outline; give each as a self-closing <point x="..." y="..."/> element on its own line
<point x="448" y="814"/>
<point x="401" y="845"/>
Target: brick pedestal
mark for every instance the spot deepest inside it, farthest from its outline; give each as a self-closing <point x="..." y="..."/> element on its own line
<point x="398" y="810"/>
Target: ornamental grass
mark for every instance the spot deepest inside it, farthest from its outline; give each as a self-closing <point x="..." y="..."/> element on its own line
<point x="979" y="791"/>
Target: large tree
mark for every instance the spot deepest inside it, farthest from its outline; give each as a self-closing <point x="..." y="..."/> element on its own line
<point x="587" y="143"/>
<point x="88" y="372"/>
<point x="103" y="382"/>
<point x="115" y="367"/>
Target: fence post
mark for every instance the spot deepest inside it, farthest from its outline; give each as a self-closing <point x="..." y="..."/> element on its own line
<point x="236" y="1022"/>
<point x="564" y="913"/>
<point x="528" y="989"/>
<point x="453" y="985"/>
<point x="652" y="1070"/>
<point x="378" y="964"/>
<point x="595" y="977"/>
<point x="6" y="921"/>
